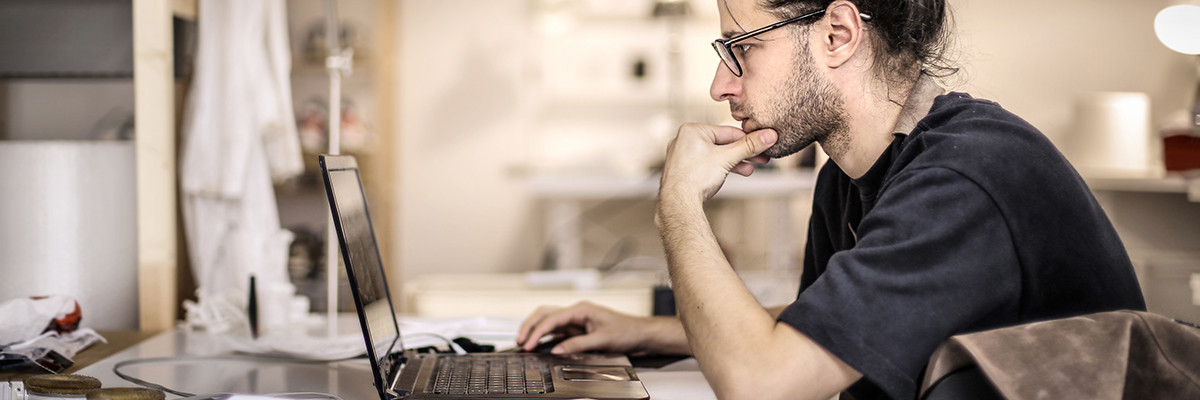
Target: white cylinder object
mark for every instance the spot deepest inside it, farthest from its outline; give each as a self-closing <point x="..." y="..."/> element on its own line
<point x="1111" y="135"/>
<point x="69" y="226"/>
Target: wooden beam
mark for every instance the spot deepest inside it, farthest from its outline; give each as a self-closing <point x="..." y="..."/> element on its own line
<point x="185" y="9"/>
<point x="381" y="159"/>
<point x="154" y="113"/>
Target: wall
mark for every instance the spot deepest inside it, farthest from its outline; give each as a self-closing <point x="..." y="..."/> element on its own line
<point x="463" y="113"/>
<point x="1036" y="57"/>
<point x="471" y="119"/>
<point x="491" y="92"/>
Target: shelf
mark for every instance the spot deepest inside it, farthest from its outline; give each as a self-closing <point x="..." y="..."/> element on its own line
<point x="565" y="192"/>
<point x="605" y="186"/>
<point x="1170" y="183"/>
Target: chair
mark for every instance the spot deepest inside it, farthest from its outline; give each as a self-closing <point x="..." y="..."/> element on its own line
<point x="1110" y="355"/>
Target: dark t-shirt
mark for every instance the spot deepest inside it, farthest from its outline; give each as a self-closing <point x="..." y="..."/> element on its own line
<point x="972" y="221"/>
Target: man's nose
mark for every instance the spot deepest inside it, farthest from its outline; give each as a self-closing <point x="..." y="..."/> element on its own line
<point x="724" y="84"/>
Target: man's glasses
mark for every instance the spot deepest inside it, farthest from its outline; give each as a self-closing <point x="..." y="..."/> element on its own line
<point x="724" y="47"/>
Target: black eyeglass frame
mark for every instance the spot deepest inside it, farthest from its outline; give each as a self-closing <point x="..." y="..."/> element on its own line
<point x="724" y="47"/>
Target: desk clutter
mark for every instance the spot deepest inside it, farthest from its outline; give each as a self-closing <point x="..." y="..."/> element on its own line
<point x="42" y="334"/>
<point x="49" y="387"/>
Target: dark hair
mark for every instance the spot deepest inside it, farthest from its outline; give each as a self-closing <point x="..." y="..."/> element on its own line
<point x="909" y="33"/>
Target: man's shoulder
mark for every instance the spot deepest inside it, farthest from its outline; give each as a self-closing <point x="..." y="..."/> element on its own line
<point x="964" y="131"/>
<point x="957" y="112"/>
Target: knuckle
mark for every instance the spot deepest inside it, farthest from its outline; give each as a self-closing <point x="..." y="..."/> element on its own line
<point x="748" y="143"/>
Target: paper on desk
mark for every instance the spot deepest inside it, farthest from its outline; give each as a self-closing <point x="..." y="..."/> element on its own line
<point x="418" y="332"/>
<point x="26" y="318"/>
<point x="299" y="345"/>
<point x="51" y="351"/>
<point x="66" y="344"/>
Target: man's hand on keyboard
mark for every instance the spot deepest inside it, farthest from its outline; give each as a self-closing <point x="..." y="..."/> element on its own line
<point x="588" y="327"/>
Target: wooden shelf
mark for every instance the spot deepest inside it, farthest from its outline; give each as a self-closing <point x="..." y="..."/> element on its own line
<point x="564" y="193"/>
<point x="1169" y="183"/>
<point x="603" y="186"/>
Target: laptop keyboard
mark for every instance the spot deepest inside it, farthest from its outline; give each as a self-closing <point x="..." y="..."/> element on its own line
<point x="491" y="375"/>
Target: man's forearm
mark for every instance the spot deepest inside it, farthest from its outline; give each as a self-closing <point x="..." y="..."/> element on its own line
<point x="718" y="313"/>
<point x="735" y="339"/>
<point x="665" y="335"/>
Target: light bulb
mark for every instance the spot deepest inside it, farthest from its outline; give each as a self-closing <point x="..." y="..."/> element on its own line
<point x="1178" y="27"/>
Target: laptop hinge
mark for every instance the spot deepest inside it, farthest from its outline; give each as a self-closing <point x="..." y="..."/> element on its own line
<point x="403" y="378"/>
<point x="397" y="381"/>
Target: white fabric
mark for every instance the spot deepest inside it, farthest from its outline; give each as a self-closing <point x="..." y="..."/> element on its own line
<point x="25" y="318"/>
<point x="239" y="136"/>
<point x="65" y="344"/>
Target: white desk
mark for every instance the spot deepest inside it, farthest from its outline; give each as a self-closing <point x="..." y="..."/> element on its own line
<point x="350" y="380"/>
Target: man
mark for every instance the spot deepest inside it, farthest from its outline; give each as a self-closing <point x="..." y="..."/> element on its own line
<point x="939" y="214"/>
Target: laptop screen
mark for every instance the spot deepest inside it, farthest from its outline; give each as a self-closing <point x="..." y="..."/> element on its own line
<point x="361" y="254"/>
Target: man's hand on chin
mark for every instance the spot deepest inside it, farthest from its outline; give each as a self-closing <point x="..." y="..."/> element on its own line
<point x="701" y="156"/>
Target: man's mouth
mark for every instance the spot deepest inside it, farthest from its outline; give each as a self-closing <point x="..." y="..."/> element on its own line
<point x="749" y="126"/>
<point x="744" y="119"/>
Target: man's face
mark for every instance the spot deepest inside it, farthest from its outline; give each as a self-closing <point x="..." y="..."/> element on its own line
<point x="780" y="87"/>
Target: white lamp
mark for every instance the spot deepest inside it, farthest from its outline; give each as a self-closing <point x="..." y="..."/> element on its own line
<point x="1178" y="28"/>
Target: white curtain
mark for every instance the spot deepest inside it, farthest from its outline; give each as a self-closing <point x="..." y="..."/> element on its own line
<point x="239" y="137"/>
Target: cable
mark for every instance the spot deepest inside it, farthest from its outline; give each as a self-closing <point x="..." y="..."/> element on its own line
<point x="191" y="396"/>
<point x="453" y="346"/>
<point x="303" y="395"/>
<point x="601" y="206"/>
<point x="117" y="370"/>
<point x="616" y="254"/>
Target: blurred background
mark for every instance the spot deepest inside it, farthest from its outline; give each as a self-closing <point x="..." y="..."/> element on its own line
<point x="509" y="136"/>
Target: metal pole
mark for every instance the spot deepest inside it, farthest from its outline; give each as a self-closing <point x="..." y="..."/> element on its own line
<point x="336" y="66"/>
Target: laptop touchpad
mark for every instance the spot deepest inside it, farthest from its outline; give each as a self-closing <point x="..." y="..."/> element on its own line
<point x="594" y="373"/>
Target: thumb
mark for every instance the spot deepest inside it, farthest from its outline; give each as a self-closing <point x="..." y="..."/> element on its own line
<point x="753" y="144"/>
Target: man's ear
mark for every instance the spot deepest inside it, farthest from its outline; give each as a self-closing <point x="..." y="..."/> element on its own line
<point x="844" y="35"/>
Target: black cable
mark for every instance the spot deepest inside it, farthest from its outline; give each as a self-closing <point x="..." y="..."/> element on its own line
<point x="117" y="370"/>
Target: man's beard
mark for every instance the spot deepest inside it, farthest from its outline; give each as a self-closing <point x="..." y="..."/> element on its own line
<point x="808" y="109"/>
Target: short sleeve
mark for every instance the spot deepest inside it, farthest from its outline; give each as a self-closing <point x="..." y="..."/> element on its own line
<point x="933" y="258"/>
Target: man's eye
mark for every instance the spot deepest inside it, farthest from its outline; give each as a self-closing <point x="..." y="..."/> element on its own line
<point x="742" y="48"/>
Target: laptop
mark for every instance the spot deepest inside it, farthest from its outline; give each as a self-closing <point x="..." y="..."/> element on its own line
<point x="400" y="374"/>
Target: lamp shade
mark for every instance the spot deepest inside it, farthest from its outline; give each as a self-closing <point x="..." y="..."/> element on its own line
<point x="1178" y="28"/>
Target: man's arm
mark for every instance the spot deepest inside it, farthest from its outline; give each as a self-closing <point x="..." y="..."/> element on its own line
<point x="742" y="350"/>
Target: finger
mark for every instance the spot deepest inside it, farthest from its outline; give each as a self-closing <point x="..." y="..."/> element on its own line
<point x="759" y="159"/>
<point x="743" y="168"/>
<point x="554" y="322"/>
<point x="725" y="134"/>
<point x="528" y="323"/>
<point x="752" y="145"/>
<point x="531" y="321"/>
